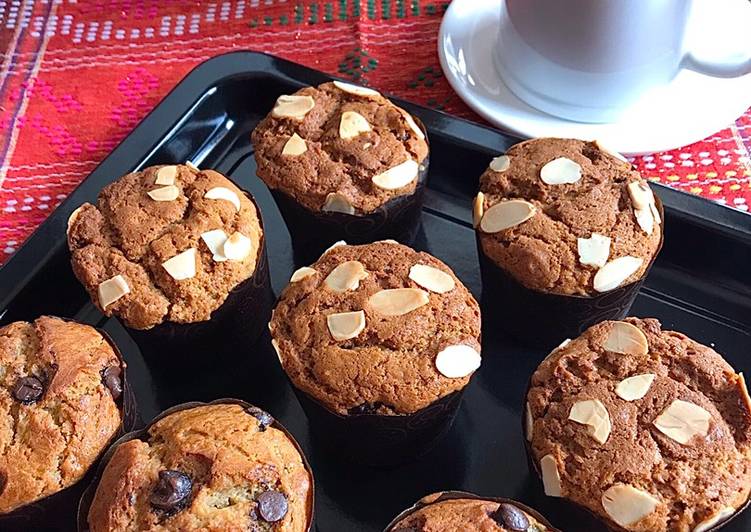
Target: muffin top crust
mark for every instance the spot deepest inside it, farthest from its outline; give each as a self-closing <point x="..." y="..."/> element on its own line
<point x="215" y="467"/>
<point x="60" y="385"/>
<point x="166" y="244"/>
<point x="378" y="328"/>
<point x="644" y="427"/>
<point x="340" y="148"/>
<point x="565" y="216"/>
<point x="468" y="515"/>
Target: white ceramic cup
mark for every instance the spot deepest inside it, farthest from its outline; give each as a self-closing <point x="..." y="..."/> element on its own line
<point x="588" y="60"/>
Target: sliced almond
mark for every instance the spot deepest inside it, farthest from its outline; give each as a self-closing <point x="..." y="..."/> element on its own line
<point x="302" y="273"/>
<point x="713" y="520"/>
<point x="627" y="505"/>
<point x="111" y="290"/>
<point x="682" y="420"/>
<point x="388" y="241"/>
<point x="743" y="389"/>
<point x="294" y="146"/>
<point x="182" y="266"/>
<point x="237" y="246"/>
<point x="223" y="193"/>
<point x="478" y="208"/>
<point x="645" y="220"/>
<point x="561" y="171"/>
<point x="352" y="124"/>
<point x="432" y="278"/>
<point x="355" y="89"/>
<point x="610" y="151"/>
<point x="413" y="125"/>
<point x="346" y="325"/>
<point x="336" y="202"/>
<point x="166" y="175"/>
<point x="192" y="166"/>
<point x="275" y="344"/>
<point x="168" y="193"/>
<point x="215" y="240"/>
<point x="346" y="276"/>
<point x="655" y="213"/>
<point x="500" y="163"/>
<point x="506" y="214"/>
<point x="398" y="301"/>
<point x="616" y="272"/>
<point x="641" y="194"/>
<point x="457" y="361"/>
<point x="627" y="339"/>
<point x="397" y="176"/>
<point x="529" y="422"/>
<point x="593" y="414"/>
<point x="72" y="218"/>
<point x="635" y="387"/>
<point x="551" y="478"/>
<point x="593" y="251"/>
<point x="333" y="246"/>
<point x="293" y="106"/>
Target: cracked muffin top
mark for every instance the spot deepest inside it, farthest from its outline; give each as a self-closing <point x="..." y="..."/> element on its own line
<point x="565" y="216"/>
<point x="467" y="515"/>
<point x="60" y="384"/>
<point x="166" y="244"/>
<point x="339" y="147"/>
<point x="213" y="468"/>
<point x="644" y="427"/>
<point x="378" y="328"/>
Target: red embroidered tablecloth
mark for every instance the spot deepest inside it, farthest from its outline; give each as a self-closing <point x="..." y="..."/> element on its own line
<point x="77" y="76"/>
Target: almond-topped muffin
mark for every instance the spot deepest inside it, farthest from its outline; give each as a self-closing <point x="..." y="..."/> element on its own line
<point x="217" y="467"/>
<point x="60" y="389"/>
<point x="564" y="216"/>
<point x="646" y="428"/>
<point x="165" y="244"/>
<point x="378" y="328"/>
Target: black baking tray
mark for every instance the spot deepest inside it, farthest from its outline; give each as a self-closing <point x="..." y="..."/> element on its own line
<point x="700" y="284"/>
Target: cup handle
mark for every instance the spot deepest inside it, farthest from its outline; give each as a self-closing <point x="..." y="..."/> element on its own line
<point x="728" y="67"/>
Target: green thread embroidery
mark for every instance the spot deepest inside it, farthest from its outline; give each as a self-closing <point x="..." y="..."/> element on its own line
<point x="342" y="9"/>
<point x="385" y="9"/>
<point x="268" y="20"/>
<point x="426" y="77"/>
<point x="299" y="13"/>
<point x="313" y="19"/>
<point x="356" y="63"/>
<point x="415" y="7"/>
<point x="371" y="9"/>
<point x="328" y="12"/>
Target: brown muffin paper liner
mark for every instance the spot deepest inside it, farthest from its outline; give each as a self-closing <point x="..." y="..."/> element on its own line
<point x="143" y="434"/>
<point x="534" y="467"/>
<point x="57" y="511"/>
<point x="313" y="232"/>
<point x="379" y="440"/>
<point x="232" y="329"/>
<point x="543" y="319"/>
<point x="449" y="495"/>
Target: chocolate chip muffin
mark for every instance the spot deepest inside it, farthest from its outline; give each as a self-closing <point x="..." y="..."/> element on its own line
<point x="646" y="428"/>
<point x="166" y="245"/>
<point x="465" y="512"/>
<point x="568" y="228"/>
<point x="60" y="390"/>
<point x="216" y="467"/>
<point x="344" y="159"/>
<point x="379" y="328"/>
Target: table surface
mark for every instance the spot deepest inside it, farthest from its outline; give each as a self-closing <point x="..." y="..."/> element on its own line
<point x="77" y="76"/>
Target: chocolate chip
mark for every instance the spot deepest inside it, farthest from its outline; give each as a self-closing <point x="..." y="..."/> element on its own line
<point x="28" y="390"/>
<point x="263" y="417"/>
<point x="510" y="517"/>
<point x="111" y="379"/>
<point x="365" y="408"/>
<point x="172" y="491"/>
<point x="272" y="506"/>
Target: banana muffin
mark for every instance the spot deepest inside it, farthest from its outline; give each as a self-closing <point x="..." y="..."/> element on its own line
<point x="60" y="389"/>
<point x="216" y="467"/>
<point x="465" y="512"/>
<point x="166" y="245"/>
<point x="646" y="428"/>
<point x="343" y="162"/>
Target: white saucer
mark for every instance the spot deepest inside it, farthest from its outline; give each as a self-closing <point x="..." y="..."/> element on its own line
<point x="689" y="109"/>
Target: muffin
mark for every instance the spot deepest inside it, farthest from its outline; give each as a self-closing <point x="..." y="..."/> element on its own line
<point x="379" y="341"/>
<point x="223" y="466"/>
<point x="342" y="162"/>
<point x="646" y="428"/>
<point x="566" y="230"/>
<point x="62" y="390"/>
<point x="175" y="251"/>
<point x="454" y="511"/>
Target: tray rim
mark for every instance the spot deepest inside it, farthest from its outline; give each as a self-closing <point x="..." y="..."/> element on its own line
<point x="207" y="77"/>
